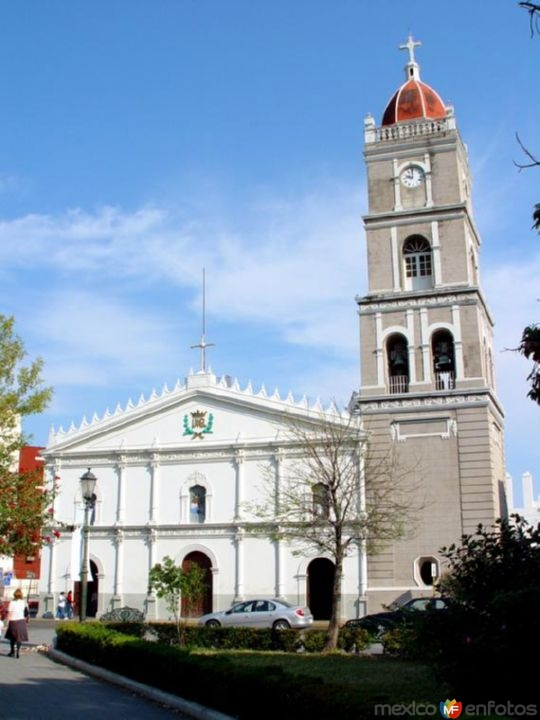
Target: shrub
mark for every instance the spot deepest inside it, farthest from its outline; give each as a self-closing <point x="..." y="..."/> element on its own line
<point x="271" y="694"/>
<point x="494" y="579"/>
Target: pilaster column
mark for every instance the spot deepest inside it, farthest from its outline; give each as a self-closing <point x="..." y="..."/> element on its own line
<point x="424" y="344"/>
<point x="118" y="539"/>
<point x="429" y="184"/>
<point x="379" y="354"/>
<point x="397" y="186"/>
<point x="151" y="543"/>
<point x="51" y="578"/>
<point x="239" y="565"/>
<point x="121" y="497"/>
<point x="396" y="259"/>
<point x="280" y="568"/>
<point x="436" y="253"/>
<point x="154" y="490"/>
<point x="49" y="600"/>
<point x="409" y="318"/>
<point x="239" y="458"/>
<point x="458" y="343"/>
<point x="362" y="550"/>
<point x="279" y="549"/>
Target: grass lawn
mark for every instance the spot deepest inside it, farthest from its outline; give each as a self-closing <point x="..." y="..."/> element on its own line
<point x="368" y="680"/>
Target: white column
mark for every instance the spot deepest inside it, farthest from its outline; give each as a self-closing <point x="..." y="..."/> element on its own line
<point x="50" y="603"/>
<point x="458" y="343"/>
<point x="409" y="318"/>
<point x="280" y="566"/>
<point x="121" y="498"/>
<point x="424" y="343"/>
<point x="379" y="349"/>
<point x="154" y="490"/>
<point x="280" y="583"/>
<point x="362" y="551"/>
<point x="151" y="542"/>
<point x="239" y="492"/>
<point x="436" y="252"/>
<point x="396" y="259"/>
<point x="397" y="187"/>
<point x="118" y="567"/>
<point x="239" y="569"/>
<point x="429" y="186"/>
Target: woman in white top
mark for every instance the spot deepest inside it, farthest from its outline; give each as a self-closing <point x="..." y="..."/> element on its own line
<point x="17" y="631"/>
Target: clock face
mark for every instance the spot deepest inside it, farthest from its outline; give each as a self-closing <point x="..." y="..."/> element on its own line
<point x="412" y="176"/>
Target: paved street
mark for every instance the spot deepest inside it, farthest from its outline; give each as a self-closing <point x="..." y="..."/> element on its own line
<point x="35" y="687"/>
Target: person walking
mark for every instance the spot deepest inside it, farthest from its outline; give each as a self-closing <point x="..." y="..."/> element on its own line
<point x="69" y="604"/>
<point x="17" y="617"/>
<point x="61" y="607"/>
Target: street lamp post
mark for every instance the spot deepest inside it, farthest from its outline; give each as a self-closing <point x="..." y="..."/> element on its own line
<point x="88" y="486"/>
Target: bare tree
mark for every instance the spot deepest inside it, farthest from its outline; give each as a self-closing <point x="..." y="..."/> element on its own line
<point x="534" y="15"/>
<point x="334" y="497"/>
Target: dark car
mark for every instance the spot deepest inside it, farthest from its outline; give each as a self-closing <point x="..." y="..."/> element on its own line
<point x="379" y="623"/>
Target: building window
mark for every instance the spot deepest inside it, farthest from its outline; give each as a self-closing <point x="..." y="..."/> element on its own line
<point x="398" y="364"/>
<point x="418" y="263"/>
<point x="426" y="571"/>
<point x="197" y="504"/>
<point x="320" y="500"/>
<point x="442" y="349"/>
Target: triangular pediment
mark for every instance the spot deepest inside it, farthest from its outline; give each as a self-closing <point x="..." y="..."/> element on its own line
<point x="205" y="411"/>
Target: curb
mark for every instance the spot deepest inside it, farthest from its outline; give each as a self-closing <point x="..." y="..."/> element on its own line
<point x="191" y="709"/>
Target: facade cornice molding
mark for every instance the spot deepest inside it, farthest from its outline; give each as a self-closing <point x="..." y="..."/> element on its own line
<point x="414" y="216"/>
<point x="196" y="531"/>
<point x="409" y="299"/>
<point x="259" y="449"/>
<point x="456" y="400"/>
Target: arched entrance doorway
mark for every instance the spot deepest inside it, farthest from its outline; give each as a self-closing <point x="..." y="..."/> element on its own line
<point x="92" y="593"/>
<point x="320" y="574"/>
<point x="202" y="605"/>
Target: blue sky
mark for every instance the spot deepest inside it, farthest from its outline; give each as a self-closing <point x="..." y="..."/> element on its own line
<point x="143" y="140"/>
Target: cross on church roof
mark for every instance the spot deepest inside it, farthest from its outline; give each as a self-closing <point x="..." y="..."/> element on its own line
<point x="410" y="45"/>
<point x="202" y="344"/>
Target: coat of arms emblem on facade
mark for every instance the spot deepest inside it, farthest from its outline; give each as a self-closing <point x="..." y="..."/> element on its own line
<point x="199" y="426"/>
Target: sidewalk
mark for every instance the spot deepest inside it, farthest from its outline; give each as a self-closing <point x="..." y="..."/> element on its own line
<point x="43" y="685"/>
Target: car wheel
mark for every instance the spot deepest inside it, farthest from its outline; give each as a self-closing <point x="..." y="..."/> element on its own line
<point x="212" y="623"/>
<point x="281" y="625"/>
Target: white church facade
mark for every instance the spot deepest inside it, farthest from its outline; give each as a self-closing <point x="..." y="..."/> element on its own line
<point x="175" y="477"/>
<point x="175" y="471"/>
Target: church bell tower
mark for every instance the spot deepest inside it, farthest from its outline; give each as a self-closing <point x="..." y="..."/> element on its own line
<point x="427" y="379"/>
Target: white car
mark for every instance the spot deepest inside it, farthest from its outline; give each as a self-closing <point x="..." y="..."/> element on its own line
<point x="260" y="613"/>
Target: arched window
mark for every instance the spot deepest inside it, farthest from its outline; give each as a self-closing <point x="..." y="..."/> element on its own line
<point x="320" y="500"/>
<point x="442" y="347"/>
<point x="418" y="265"/>
<point x="197" y="504"/>
<point x="398" y="364"/>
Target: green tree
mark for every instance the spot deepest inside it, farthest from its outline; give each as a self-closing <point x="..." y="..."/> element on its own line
<point x="529" y="345"/>
<point x="25" y="506"/>
<point x="172" y="584"/>
<point x="493" y="576"/>
<point x="334" y="497"/>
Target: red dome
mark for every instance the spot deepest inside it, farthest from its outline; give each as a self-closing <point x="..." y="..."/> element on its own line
<point x="413" y="101"/>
